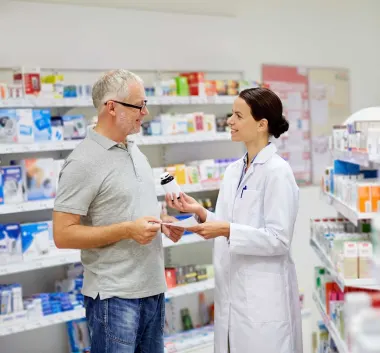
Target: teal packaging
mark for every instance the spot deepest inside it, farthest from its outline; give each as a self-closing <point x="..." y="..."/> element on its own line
<point x="42" y="125"/>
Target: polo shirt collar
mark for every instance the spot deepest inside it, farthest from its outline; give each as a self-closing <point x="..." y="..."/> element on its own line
<point x="103" y="141"/>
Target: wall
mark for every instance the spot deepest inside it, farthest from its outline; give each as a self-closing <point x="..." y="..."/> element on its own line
<point x="316" y="33"/>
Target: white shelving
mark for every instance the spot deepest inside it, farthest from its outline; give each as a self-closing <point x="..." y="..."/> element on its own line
<point x="87" y="102"/>
<point x="18" y="322"/>
<point x="71" y="256"/>
<point x="13" y="148"/>
<point x="30" y="206"/>
<point x="348" y="212"/>
<point x="340" y="344"/>
<point x="361" y="158"/>
<point x="191" y="288"/>
<point x="368" y="283"/>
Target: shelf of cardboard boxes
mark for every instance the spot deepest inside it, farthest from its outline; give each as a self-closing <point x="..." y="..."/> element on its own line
<point x="41" y="102"/>
<point x="64" y="257"/>
<point x="13" y="148"/>
<point x="30" y="206"/>
<point x="368" y="283"/>
<point x="348" y="212"/>
<point x="334" y="333"/>
<point x="19" y="322"/>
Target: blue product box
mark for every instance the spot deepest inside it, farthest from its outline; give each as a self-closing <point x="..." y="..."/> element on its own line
<point x="8" y="125"/>
<point x="12" y="233"/>
<point x="35" y="242"/>
<point x="25" y="126"/>
<point x="42" y="125"/>
<point x="12" y="189"/>
<point x="346" y="168"/>
<point x="79" y="335"/>
<point x="181" y="217"/>
<point x="56" y="128"/>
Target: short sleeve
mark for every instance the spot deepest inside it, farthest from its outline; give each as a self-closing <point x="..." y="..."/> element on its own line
<point x="78" y="186"/>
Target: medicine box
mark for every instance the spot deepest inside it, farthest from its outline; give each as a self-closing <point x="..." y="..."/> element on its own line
<point x="25" y="126"/>
<point x="35" y="240"/>
<point x="40" y="178"/>
<point x="8" y="126"/>
<point x="74" y="127"/>
<point x="10" y="243"/>
<point x="350" y="260"/>
<point x="12" y="184"/>
<point x="42" y="125"/>
<point x="29" y="78"/>
<point x="365" y="252"/>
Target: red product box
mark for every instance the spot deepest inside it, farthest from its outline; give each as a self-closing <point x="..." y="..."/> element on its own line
<point x="171" y="278"/>
<point x="197" y="89"/>
<point x="29" y="78"/>
<point x="194" y="77"/>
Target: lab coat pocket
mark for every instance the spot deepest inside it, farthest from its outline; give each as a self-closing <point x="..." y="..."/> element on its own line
<point x="265" y="296"/>
<point x="248" y="208"/>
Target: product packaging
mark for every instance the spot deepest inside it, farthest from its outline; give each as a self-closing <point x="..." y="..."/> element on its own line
<point x="350" y="261"/>
<point x="365" y="259"/>
<point x="57" y="128"/>
<point x="10" y="243"/>
<point x="74" y="127"/>
<point x="29" y="79"/>
<point x="42" y="125"/>
<point x="13" y="192"/>
<point x="35" y="239"/>
<point x="79" y="336"/>
<point x="40" y="178"/>
<point x="8" y="126"/>
<point x="170" y="275"/>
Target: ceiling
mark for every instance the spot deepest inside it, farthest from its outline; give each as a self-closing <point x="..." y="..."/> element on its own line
<point x="201" y="7"/>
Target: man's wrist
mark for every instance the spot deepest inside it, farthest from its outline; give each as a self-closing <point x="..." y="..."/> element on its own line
<point x="202" y="214"/>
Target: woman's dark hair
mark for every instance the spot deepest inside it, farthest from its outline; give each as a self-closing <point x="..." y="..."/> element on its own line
<point x="265" y="104"/>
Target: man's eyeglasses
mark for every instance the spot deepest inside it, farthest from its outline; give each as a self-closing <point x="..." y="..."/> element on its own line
<point x="140" y="107"/>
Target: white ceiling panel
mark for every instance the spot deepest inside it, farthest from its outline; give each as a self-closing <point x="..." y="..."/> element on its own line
<point x="201" y="7"/>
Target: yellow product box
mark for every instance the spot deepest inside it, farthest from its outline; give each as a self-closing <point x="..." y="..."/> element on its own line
<point x="180" y="173"/>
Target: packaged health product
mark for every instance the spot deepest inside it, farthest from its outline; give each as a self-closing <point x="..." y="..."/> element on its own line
<point x="42" y="125"/>
<point x="8" y="126"/>
<point x="12" y="185"/>
<point x="365" y="253"/>
<point x="74" y="127"/>
<point x="78" y="335"/>
<point x="35" y="239"/>
<point x="25" y="126"/>
<point x="40" y="178"/>
<point x="350" y="260"/>
<point x="12" y="242"/>
<point x="57" y="128"/>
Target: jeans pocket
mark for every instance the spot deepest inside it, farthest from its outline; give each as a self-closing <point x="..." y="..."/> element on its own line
<point x="122" y="319"/>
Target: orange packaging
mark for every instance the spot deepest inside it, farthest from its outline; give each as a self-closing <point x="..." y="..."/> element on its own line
<point x="375" y="198"/>
<point x="364" y="198"/>
<point x="210" y="88"/>
<point x="194" y="77"/>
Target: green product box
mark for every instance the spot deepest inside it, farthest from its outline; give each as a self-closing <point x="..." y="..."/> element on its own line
<point x="182" y="86"/>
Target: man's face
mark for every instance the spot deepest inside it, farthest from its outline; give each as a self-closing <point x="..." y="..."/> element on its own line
<point x="129" y="119"/>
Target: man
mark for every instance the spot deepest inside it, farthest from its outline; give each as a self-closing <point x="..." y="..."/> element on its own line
<point x="107" y="207"/>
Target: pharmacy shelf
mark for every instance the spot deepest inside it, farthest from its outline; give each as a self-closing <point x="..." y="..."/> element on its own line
<point x="18" y="322"/>
<point x="330" y="325"/>
<point x="87" y="102"/>
<point x="27" y="207"/>
<point x="348" y="212"/>
<point x="361" y="158"/>
<point x="197" y="340"/>
<point x="30" y="206"/>
<point x="56" y="259"/>
<point x="65" y="257"/>
<point x="13" y="148"/>
<point x="366" y="283"/>
<point x="191" y="288"/>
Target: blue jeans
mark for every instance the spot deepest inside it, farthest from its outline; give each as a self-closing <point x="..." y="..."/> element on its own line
<point x="126" y="325"/>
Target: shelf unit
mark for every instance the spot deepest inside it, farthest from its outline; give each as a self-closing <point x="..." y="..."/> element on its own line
<point x="330" y="325"/>
<point x="368" y="283"/>
<point x="64" y="257"/>
<point x="12" y="148"/>
<point x="87" y="101"/>
<point x="348" y="212"/>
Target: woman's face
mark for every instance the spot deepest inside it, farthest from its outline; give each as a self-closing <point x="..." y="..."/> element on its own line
<point x="244" y="128"/>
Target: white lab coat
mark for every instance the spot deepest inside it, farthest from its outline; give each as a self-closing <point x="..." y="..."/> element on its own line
<point x="256" y="292"/>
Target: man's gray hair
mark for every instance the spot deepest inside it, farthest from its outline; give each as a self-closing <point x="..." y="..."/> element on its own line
<point x="113" y="85"/>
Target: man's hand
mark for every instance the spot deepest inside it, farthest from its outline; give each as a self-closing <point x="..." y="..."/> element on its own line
<point x="211" y="230"/>
<point x="172" y="232"/>
<point x="145" y="229"/>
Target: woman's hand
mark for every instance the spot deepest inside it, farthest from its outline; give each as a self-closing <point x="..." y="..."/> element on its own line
<point x="210" y="230"/>
<point x="186" y="204"/>
<point x="173" y="233"/>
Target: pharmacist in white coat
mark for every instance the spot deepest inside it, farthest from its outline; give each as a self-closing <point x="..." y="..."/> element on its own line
<point x="257" y="307"/>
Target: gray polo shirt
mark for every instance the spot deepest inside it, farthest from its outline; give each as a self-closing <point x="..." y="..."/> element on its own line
<point x="108" y="183"/>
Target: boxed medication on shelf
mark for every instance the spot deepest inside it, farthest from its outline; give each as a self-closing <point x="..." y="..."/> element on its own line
<point x="35" y="239"/>
<point x="12" y="184"/>
<point x="40" y="178"/>
<point x="42" y="125"/>
<point x="10" y="243"/>
<point x="8" y="125"/>
<point x="74" y="127"/>
<point x="29" y="79"/>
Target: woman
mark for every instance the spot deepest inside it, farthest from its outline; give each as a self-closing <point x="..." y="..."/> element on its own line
<point x="257" y="306"/>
